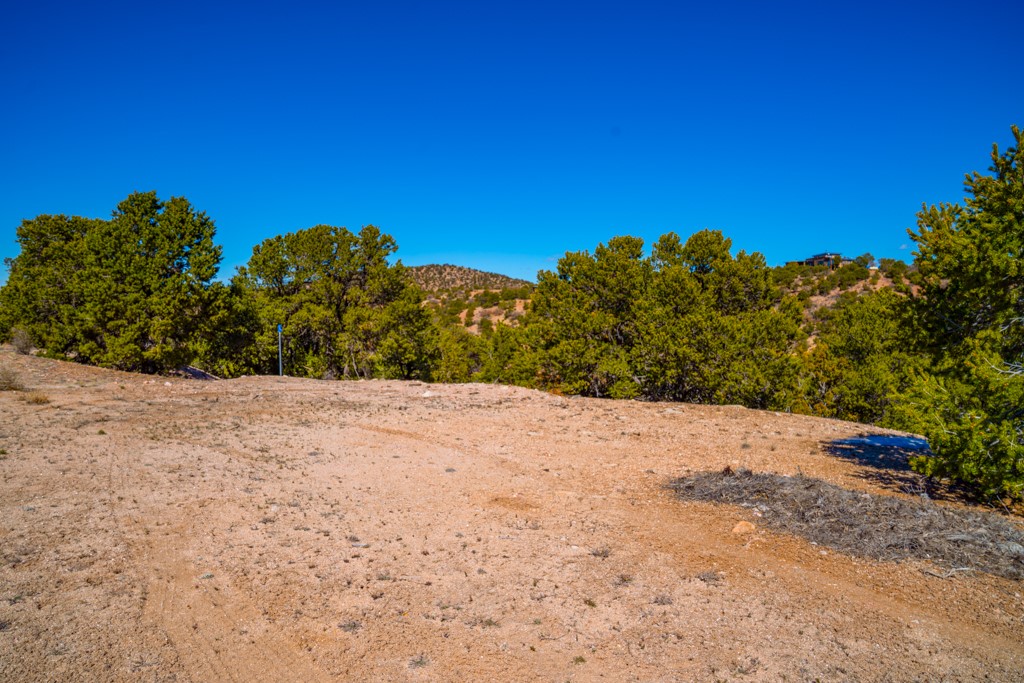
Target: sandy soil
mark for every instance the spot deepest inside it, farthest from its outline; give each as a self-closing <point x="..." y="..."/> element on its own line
<point x="276" y="529"/>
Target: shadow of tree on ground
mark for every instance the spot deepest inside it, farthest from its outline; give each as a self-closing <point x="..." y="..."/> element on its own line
<point x="885" y="460"/>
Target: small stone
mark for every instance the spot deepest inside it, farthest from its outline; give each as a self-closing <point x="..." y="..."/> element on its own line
<point x="743" y="527"/>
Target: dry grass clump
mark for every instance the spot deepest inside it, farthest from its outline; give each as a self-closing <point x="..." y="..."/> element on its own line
<point x="9" y="380"/>
<point x="37" y="398"/>
<point x="867" y="525"/>
<point x="21" y="342"/>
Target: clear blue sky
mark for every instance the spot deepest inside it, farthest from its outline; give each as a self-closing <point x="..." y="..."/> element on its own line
<point x="501" y="135"/>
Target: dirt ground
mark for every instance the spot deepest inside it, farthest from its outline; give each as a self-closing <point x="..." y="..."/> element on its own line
<point x="277" y="529"/>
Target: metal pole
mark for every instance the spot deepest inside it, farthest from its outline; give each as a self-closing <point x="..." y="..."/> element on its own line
<point x="280" y="362"/>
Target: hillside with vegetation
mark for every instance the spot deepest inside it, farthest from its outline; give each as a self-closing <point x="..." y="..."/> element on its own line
<point x="936" y="347"/>
<point x="446" y="277"/>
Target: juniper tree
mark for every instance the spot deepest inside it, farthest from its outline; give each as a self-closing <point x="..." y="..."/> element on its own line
<point x="132" y="292"/>
<point x="971" y="314"/>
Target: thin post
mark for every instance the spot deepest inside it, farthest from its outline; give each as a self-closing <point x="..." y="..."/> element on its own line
<point x="280" y="362"/>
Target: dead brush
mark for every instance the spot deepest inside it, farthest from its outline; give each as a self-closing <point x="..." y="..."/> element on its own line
<point x="9" y="380"/>
<point x="21" y="341"/>
<point x="867" y="525"/>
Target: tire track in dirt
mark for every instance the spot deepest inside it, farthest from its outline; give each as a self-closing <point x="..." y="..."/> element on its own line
<point x="501" y="537"/>
<point x="217" y="631"/>
<point x="511" y="464"/>
<point x="663" y="518"/>
<point x="219" y="634"/>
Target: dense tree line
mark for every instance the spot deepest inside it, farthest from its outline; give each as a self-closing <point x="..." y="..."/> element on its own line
<point x="690" y="322"/>
<point x="939" y="352"/>
<point x="137" y="292"/>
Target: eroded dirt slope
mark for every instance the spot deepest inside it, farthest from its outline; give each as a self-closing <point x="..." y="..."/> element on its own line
<point x="291" y="530"/>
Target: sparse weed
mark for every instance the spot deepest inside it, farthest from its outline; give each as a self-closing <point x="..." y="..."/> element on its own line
<point x="589" y="602"/>
<point x="603" y="552"/>
<point x="710" y="577"/>
<point x="419" y="661"/>
<point x="37" y="398"/>
<point x="748" y="667"/>
<point x="350" y="626"/>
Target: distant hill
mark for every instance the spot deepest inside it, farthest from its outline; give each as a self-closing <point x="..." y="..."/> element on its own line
<point x="436" y="278"/>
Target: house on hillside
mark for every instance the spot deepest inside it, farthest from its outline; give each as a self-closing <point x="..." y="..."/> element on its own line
<point x="829" y="258"/>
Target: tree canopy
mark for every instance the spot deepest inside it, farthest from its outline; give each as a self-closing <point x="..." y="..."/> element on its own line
<point x="131" y="292"/>
<point x="690" y="322"/>
<point x="346" y="311"/>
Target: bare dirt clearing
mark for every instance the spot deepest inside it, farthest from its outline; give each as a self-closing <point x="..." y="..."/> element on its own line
<point x="292" y="530"/>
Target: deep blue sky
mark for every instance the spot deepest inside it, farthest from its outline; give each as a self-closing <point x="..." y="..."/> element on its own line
<point x="500" y="136"/>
